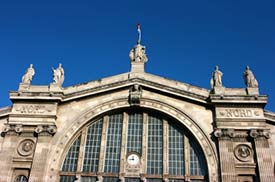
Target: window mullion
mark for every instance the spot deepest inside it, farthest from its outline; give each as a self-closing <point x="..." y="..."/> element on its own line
<point x="103" y="144"/>
<point x="124" y="142"/>
<point x="165" y="148"/>
<point x="81" y="150"/>
<point x="187" y="158"/>
<point x="144" y="143"/>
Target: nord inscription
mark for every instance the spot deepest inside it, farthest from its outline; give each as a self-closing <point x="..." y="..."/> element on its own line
<point x="32" y="109"/>
<point x="239" y="113"/>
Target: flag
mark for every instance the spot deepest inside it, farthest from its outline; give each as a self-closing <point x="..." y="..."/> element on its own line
<point x="139" y="33"/>
<point x="138" y="28"/>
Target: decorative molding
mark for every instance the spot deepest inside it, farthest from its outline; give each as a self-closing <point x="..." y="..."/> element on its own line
<point x="26" y="147"/>
<point x="243" y="153"/>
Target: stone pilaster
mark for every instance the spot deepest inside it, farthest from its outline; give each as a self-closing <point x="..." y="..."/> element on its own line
<point x="40" y="158"/>
<point x="225" y="142"/>
<point x="263" y="155"/>
<point x="8" y="149"/>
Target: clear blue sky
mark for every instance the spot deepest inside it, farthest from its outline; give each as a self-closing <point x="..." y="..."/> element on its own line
<point x="185" y="39"/>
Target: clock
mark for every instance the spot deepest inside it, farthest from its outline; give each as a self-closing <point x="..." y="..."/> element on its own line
<point x="133" y="159"/>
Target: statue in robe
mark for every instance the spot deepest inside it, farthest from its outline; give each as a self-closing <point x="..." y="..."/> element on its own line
<point x="249" y="78"/>
<point x="58" y="75"/>
<point x="27" y="77"/>
<point x="216" y="80"/>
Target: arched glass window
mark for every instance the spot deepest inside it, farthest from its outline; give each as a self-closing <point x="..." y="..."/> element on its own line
<point x="176" y="151"/>
<point x="113" y="144"/>
<point x="132" y="144"/>
<point x="92" y="147"/>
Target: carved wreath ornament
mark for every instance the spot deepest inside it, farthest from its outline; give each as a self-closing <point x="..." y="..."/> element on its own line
<point x="26" y="147"/>
<point x="243" y="152"/>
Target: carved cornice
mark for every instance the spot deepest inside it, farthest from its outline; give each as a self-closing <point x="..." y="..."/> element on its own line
<point x="227" y="133"/>
<point x="224" y="133"/>
<point x="259" y="133"/>
<point x="19" y="129"/>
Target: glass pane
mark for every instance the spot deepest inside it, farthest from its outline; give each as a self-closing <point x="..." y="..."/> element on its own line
<point x="134" y="139"/>
<point x="197" y="161"/>
<point x="176" y="180"/>
<point x="88" y="179"/>
<point x="176" y="151"/>
<point x="67" y="178"/>
<point x="92" y="147"/>
<point x="70" y="163"/>
<point x="113" y="146"/>
<point x="154" y="180"/>
<point x="132" y="180"/>
<point x="155" y="145"/>
<point x="110" y="179"/>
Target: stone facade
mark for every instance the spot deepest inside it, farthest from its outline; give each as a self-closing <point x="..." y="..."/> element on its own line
<point x="230" y="125"/>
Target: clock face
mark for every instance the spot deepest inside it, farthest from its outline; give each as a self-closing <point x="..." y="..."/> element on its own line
<point x="133" y="159"/>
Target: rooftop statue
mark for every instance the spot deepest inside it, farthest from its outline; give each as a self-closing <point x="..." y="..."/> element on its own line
<point x="249" y="78"/>
<point x="137" y="54"/>
<point x="58" y="75"/>
<point x="216" y="80"/>
<point x="27" y="77"/>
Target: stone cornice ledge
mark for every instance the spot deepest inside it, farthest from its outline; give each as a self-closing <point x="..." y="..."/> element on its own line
<point x="5" y="111"/>
<point x="270" y="116"/>
<point x="238" y="99"/>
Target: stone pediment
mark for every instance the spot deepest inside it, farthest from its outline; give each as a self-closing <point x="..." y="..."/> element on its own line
<point x="146" y="80"/>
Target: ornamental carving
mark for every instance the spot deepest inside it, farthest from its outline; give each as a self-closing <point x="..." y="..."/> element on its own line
<point x="243" y="153"/>
<point x="224" y="133"/>
<point x="259" y="133"/>
<point x="45" y="129"/>
<point x="18" y="128"/>
<point x="135" y="94"/>
<point x="26" y="147"/>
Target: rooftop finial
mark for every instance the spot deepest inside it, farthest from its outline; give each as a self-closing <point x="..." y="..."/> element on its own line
<point x="139" y="33"/>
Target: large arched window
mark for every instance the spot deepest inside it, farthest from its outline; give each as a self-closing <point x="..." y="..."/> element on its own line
<point x="134" y="145"/>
